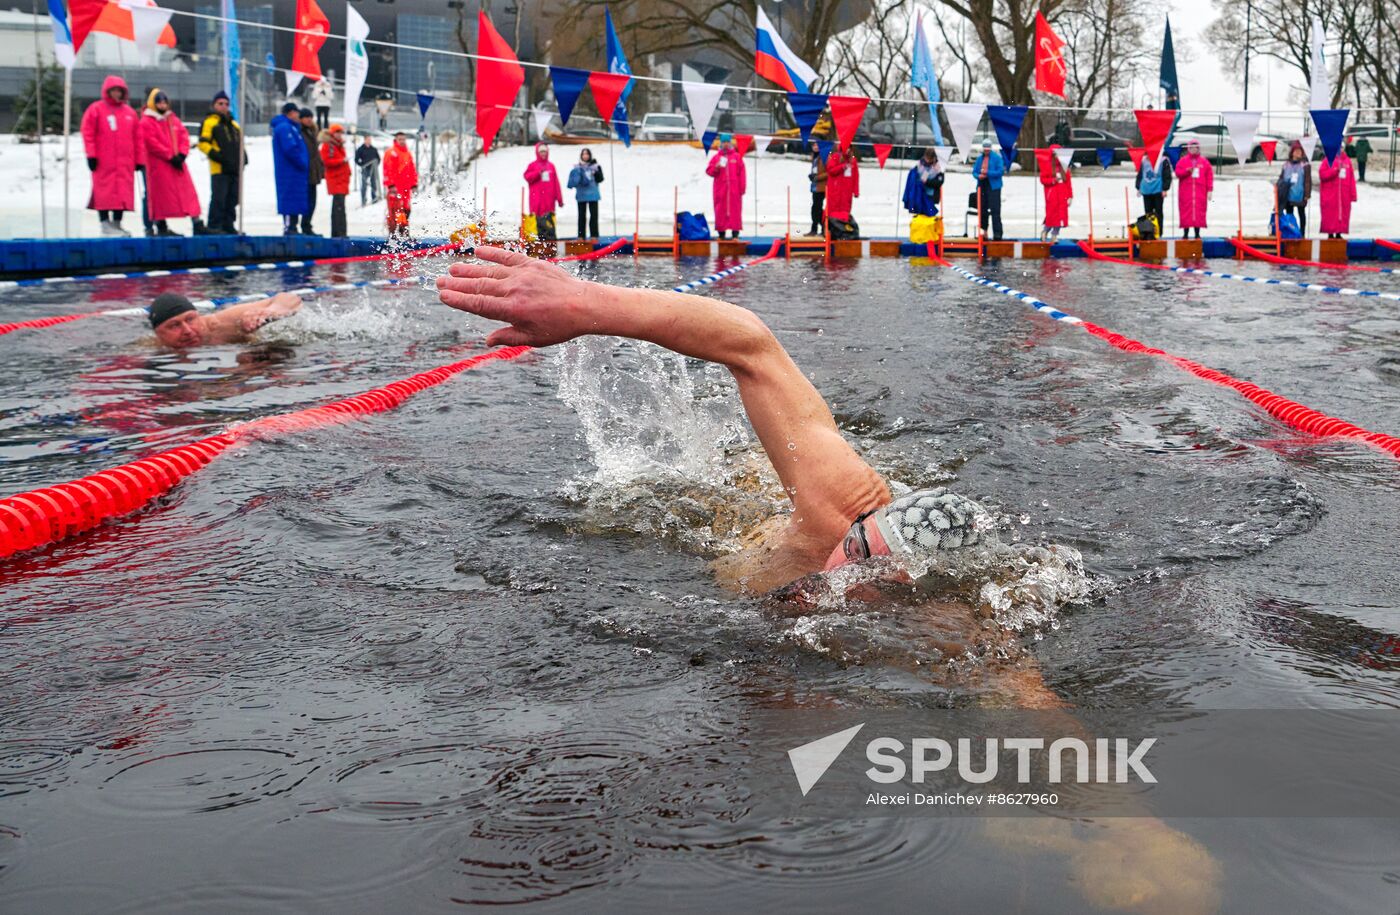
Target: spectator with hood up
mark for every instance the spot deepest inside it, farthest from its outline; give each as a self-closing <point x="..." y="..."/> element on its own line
<point x="170" y="190"/>
<point x="114" y="153"/>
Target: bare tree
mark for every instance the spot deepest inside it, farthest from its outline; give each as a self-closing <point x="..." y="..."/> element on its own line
<point x="875" y="58"/>
<point x="1282" y="30"/>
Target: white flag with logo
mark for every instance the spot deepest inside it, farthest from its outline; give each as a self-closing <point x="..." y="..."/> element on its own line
<point x="1321" y="84"/>
<point x="1243" y="127"/>
<point x="701" y="99"/>
<point x="963" y="118"/>
<point x="356" y="62"/>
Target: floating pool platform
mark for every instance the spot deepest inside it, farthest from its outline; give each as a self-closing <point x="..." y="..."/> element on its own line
<point x="28" y="257"/>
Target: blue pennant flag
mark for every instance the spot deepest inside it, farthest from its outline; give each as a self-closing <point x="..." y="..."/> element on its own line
<point x="806" y="109"/>
<point x="1167" y="72"/>
<point x="923" y="77"/>
<point x="233" y="54"/>
<point x="1331" y="124"/>
<point x="1173" y="154"/>
<point x="568" y="86"/>
<point x="425" y="101"/>
<point x="617" y="63"/>
<point x="708" y="138"/>
<point x="824" y="148"/>
<point x="1007" y="119"/>
<point x="1106" y="156"/>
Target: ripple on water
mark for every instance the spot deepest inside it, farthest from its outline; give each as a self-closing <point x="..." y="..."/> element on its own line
<point x="26" y="765"/>
<point x="414" y="784"/>
<point x="201" y="780"/>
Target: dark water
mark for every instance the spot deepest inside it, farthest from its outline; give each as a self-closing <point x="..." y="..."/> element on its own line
<point x="464" y="653"/>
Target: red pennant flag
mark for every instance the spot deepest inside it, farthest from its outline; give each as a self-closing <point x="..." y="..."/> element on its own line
<point x="1269" y="147"/>
<point x="1042" y="160"/>
<point x="607" y="89"/>
<point x="846" y="112"/>
<point x="312" y="29"/>
<point x="83" y="15"/>
<point x="743" y="142"/>
<point x="110" y="18"/>
<point x="1155" y="126"/>
<point x="1049" y="58"/>
<point x="882" y="152"/>
<point x="1136" y="153"/>
<point x="498" y="80"/>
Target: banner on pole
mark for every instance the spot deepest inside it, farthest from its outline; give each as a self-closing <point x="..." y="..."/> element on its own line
<point x="1320" y="87"/>
<point x="1049" y="58"/>
<point x="356" y="62"/>
<point x="233" y="57"/>
<point x="312" y="29"/>
<point x="924" y="77"/>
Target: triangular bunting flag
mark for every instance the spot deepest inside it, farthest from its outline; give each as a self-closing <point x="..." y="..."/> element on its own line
<point x="963" y="120"/>
<point x="1242" y="125"/>
<point x="806" y="109"/>
<point x="1007" y="120"/>
<point x="1331" y="125"/>
<point x="499" y="77"/>
<point x="1173" y="154"/>
<point x="542" y="118"/>
<point x="944" y="154"/>
<point x="607" y="89"/>
<point x="708" y="139"/>
<point x="425" y="101"/>
<point x="743" y="142"/>
<point x="824" y="148"/>
<point x="1309" y="144"/>
<point x="1067" y="155"/>
<point x="1136" y="153"/>
<point x="1155" y="127"/>
<point x="1106" y="156"/>
<point x="148" y="24"/>
<point x="1269" y="148"/>
<point x="293" y="80"/>
<point x="846" y="112"/>
<point x="568" y="86"/>
<point x="882" y="152"/>
<point x="701" y="99"/>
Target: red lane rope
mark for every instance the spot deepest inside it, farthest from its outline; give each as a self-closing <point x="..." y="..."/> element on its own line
<point x="1094" y="254"/>
<point x="1390" y="245"/>
<point x="45" y="322"/>
<point x="1293" y="262"/>
<point x="592" y="255"/>
<point x="1289" y="412"/>
<point x="44" y="516"/>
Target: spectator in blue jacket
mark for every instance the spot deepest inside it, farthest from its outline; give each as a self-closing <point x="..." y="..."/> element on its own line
<point x="292" y="167"/>
<point x="988" y="170"/>
<point x="584" y="178"/>
<point x="923" y="188"/>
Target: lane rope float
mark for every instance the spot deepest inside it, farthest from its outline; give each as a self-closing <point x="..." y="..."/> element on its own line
<point x="45" y="516"/>
<point x="1294" y="262"/>
<point x="1262" y="280"/>
<point x="229" y="268"/>
<point x="1289" y="412"/>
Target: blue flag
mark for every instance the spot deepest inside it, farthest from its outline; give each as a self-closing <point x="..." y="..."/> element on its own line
<point x="824" y="148"/>
<point x="1173" y="154"/>
<point x="270" y="64"/>
<point x="617" y="63"/>
<point x="1331" y="124"/>
<point x="924" y="78"/>
<point x="1167" y="73"/>
<point x="806" y="109"/>
<point x="425" y="101"/>
<point x="233" y="54"/>
<point x="1007" y="120"/>
<point x="708" y="138"/>
<point x="1106" y="156"/>
<point x="568" y="86"/>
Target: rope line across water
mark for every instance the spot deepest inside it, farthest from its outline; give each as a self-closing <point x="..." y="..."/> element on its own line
<point x="1289" y="412"/>
<point x="45" y="516"/>
<point x="1294" y="262"/>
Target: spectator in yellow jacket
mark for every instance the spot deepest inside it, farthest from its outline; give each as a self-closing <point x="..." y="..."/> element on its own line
<point x="221" y="140"/>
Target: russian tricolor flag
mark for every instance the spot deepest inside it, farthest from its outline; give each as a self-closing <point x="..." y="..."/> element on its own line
<point x="775" y="61"/>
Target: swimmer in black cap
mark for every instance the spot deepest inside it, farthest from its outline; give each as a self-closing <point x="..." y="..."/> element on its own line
<point x="179" y="325"/>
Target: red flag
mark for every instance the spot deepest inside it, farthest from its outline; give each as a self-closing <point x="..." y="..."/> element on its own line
<point x="498" y="80"/>
<point x="1155" y="126"/>
<point x="110" y="18"/>
<point x="607" y="89"/>
<point x="312" y="28"/>
<point x="1269" y="147"/>
<point x="1049" y="58"/>
<point x="882" y="152"/>
<point x="846" y="112"/>
<point x="83" y="15"/>
<point x="743" y="142"/>
<point x="1136" y="153"/>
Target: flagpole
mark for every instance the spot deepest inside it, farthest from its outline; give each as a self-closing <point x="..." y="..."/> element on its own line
<point x="242" y="134"/>
<point x="67" y="136"/>
<point x="612" y="169"/>
<point x="39" y="121"/>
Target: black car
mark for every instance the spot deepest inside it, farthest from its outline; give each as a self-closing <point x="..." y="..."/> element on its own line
<point x="909" y="138"/>
<point x="1087" y="141"/>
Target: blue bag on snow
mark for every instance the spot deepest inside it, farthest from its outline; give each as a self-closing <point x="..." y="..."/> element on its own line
<point x="693" y="226"/>
<point x="1290" y="226"/>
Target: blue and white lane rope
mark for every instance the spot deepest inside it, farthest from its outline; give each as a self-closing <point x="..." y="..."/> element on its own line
<point x="1032" y="301"/>
<point x="149" y="274"/>
<point x="225" y="301"/>
<point x="1264" y="280"/>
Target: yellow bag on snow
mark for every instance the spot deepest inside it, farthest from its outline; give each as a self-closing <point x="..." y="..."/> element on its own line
<point x="924" y="229"/>
<point x="529" y="226"/>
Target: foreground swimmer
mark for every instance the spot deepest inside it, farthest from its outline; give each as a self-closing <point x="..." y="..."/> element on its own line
<point x="842" y="508"/>
<point x="179" y="325"/>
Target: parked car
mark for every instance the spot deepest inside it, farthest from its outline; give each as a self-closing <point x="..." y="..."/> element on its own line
<point x="1217" y="147"/>
<point x="1382" y="137"/>
<point x="579" y="131"/>
<point x="659" y="126"/>
<point x="909" y="138"/>
<point x="1087" y="141"/>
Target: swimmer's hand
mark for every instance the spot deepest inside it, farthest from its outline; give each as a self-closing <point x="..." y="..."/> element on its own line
<point x="542" y="303"/>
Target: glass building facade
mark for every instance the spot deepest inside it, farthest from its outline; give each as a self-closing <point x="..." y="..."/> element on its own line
<point x="418" y="70"/>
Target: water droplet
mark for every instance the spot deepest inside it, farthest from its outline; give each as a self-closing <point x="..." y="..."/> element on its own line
<point x="792" y="446"/>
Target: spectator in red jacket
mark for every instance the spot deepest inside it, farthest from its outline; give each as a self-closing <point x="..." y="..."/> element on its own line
<point x="400" y="181"/>
<point x="114" y="153"/>
<point x="170" y="190"/>
<point x="337" y="162"/>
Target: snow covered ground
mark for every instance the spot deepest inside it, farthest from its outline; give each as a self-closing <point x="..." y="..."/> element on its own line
<point x="659" y="173"/>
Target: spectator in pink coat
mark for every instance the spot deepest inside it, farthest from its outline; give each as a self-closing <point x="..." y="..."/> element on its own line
<point x="727" y="168"/>
<point x="170" y="190"/>
<point x="1338" y="180"/>
<point x="113" y="153"/>
<point x="545" y="193"/>
<point x="1196" y="181"/>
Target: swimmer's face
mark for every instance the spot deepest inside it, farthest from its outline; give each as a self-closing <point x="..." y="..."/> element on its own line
<point x="863" y="541"/>
<point x="184" y="331"/>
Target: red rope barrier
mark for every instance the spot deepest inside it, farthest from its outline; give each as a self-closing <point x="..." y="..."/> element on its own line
<point x="44" y="322"/>
<point x="417" y="252"/>
<point x="592" y="255"/>
<point x="1293" y="262"/>
<point x="1388" y="245"/>
<point x="44" y="516"/>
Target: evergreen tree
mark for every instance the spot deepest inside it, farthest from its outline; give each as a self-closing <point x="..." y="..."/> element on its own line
<point x="27" y="109"/>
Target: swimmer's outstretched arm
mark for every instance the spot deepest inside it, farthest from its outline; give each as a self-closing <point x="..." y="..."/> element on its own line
<point x="828" y="483"/>
<point x="249" y="316"/>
